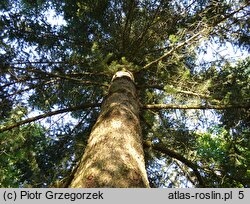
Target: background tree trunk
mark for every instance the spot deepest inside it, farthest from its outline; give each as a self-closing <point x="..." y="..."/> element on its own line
<point x="114" y="155"/>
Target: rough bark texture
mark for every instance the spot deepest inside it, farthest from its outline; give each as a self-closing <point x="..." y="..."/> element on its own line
<point x="114" y="155"/>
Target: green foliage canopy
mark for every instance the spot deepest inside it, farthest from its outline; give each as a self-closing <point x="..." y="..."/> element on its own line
<point x="61" y="69"/>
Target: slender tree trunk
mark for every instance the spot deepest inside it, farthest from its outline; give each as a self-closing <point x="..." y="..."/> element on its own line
<point x="114" y="155"/>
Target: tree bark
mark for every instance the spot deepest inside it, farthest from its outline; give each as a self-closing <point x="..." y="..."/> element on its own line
<point x="114" y="155"/>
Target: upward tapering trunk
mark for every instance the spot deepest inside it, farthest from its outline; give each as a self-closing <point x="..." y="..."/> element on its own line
<point x="114" y="155"/>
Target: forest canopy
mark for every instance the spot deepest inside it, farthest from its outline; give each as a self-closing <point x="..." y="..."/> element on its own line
<point x="190" y="60"/>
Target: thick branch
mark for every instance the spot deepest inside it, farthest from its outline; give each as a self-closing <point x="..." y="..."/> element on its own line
<point x="194" y="37"/>
<point x="175" y="48"/>
<point x="160" y="87"/>
<point x="161" y="148"/>
<point x="231" y="14"/>
<point x="32" y="86"/>
<point x="28" y="64"/>
<point x="186" y="171"/>
<point x="173" y="106"/>
<point x="28" y="120"/>
<point x="66" y="77"/>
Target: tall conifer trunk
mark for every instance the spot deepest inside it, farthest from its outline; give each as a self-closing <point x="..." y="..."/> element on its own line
<point x="114" y="155"/>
